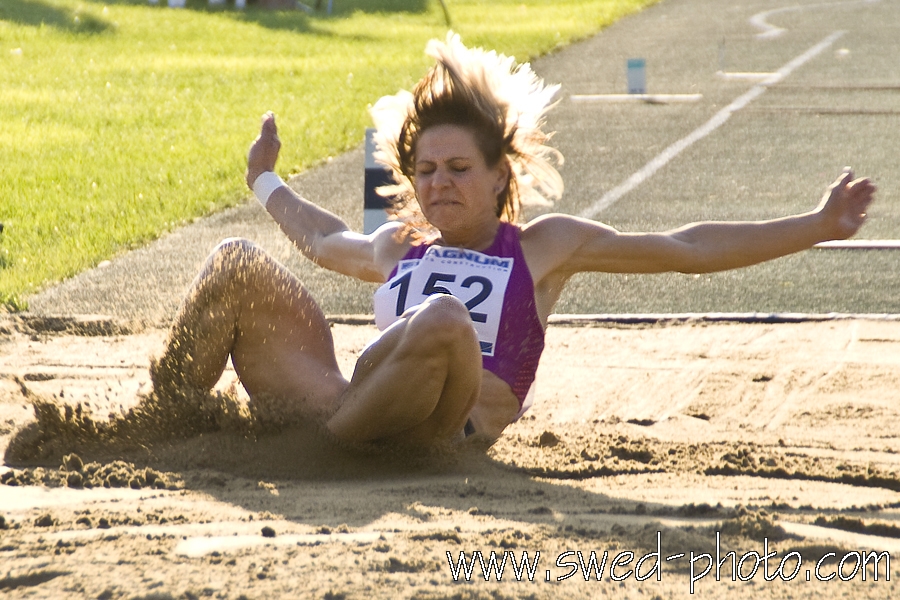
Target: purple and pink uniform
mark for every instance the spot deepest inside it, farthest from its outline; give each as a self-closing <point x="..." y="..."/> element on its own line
<point x="496" y="287"/>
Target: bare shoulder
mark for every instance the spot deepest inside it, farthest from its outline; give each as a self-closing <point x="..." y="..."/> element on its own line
<point x="539" y="232"/>
<point x="562" y="230"/>
<point x="390" y="243"/>
<point x="369" y="257"/>
<point x="549" y="241"/>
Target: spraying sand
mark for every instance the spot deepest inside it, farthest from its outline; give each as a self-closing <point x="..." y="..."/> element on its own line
<point x="643" y="439"/>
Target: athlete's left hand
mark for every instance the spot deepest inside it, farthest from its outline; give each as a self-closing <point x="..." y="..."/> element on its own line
<point x="844" y="205"/>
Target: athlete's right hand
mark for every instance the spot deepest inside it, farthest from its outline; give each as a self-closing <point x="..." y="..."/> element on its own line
<point x="264" y="150"/>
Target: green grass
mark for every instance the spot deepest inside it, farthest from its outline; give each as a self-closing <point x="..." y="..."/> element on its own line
<point x="121" y="120"/>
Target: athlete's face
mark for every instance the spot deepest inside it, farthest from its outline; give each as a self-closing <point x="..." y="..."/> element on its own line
<point x="455" y="187"/>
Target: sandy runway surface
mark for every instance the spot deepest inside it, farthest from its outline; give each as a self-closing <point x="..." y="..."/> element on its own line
<point x="643" y="439"/>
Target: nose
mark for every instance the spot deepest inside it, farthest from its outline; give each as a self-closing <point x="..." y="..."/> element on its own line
<point x="440" y="178"/>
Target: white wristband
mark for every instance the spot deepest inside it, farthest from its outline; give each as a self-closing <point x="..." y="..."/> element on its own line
<point x="265" y="184"/>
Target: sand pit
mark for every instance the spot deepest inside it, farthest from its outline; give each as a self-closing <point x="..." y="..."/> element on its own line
<point x="643" y="438"/>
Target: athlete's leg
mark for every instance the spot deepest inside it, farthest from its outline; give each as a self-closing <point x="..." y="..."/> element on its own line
<point x="245" y="305"/>
<point x="418" y="382"/>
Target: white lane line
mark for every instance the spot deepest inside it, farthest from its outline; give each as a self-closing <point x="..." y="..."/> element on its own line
<point x="743" y="76"/>
<point x="769" y="31"/>
<point x="648" y="98"/>
<point x="663" y="158"/>
<point x="859" y="245"/>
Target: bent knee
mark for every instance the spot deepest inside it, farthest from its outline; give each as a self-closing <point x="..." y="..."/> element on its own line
<point x="233" y="256"/>
<point x="239" y="266"/>
<point x="443" y="319"/>
<point x="235" y="248"/>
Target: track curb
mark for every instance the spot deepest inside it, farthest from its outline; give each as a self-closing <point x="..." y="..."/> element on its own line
<point x="107" y="326"/>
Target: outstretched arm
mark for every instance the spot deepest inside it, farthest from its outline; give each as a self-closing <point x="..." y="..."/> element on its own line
<point x="711" y="246"/>
<point x="319" y="234"/>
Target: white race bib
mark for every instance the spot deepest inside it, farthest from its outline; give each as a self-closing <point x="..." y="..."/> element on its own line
<point x="477" y="279"/>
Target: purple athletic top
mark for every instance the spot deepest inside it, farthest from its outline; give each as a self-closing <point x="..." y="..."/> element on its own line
<point x="520" y="337"/>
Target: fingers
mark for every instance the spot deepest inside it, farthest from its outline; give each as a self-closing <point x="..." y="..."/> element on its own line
<point x="860" y="188"/>
<point x="269" y="131"/>
<point x="268" y="124"/>
<point x="268" y="134"/>
<point x="843" y="179"/>
<point x="857" y="196"/>
<point x="264" y="150"/>
<point x="862" y="191"/>
<point x="862" y="183"/>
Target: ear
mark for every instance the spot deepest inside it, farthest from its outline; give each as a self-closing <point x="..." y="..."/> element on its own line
<point x="502" y="171"/>
<point x="501" y="184"/>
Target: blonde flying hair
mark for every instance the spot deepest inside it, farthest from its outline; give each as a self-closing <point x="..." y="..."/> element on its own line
<point x="501" y="102"/>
